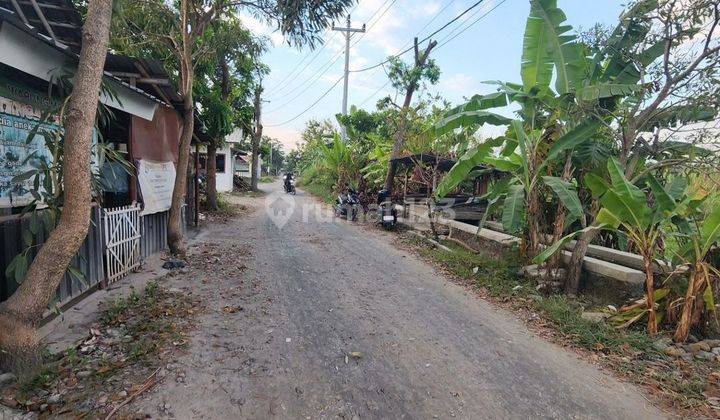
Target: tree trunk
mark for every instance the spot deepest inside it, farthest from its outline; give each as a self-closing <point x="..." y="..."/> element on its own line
<point x="397" y="148"/>
<point x="574" y="266"/>
<point x="399" y="140"/>
<point x="533" y="215"/>
<point x="650" y="294"/>
<point x="561" y="216"/>
<point x="21" y="312"/>
<point x="693" y="298"/>
<point x="174" y="231"/>
<point x="211" y="184"/>
<point x="174" y="234"/>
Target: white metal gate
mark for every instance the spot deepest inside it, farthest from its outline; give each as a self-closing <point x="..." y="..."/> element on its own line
<point x="121" y="228"/>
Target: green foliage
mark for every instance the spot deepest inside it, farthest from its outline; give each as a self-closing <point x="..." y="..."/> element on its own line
<point x="467" y="162"/>
<point x="566" y="53"/>
<point x="403" y="75"/>
<point x="513" y="215"/>
<point x="273" y="154"/>
<point x="566" y="193"/>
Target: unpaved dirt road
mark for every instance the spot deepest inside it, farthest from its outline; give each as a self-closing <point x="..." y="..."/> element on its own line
<point x="314" y="292"/>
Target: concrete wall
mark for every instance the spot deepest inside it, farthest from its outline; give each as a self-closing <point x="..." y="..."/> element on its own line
<point x="602" y="270"/>
<point x="224" y="180"/>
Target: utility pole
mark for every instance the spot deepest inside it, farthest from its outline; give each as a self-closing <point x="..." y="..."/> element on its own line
<point x="256" y="136"/>
<point x="348" y="32"/>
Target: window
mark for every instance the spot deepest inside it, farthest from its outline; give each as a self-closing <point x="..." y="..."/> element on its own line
<point x="220" y="163"/>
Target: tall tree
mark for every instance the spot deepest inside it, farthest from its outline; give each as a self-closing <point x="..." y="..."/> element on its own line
<point x="224" y="88"/>
<point x="21" y="312"/>
<point x="181" y="30"/>
<point x="408" y="78"/>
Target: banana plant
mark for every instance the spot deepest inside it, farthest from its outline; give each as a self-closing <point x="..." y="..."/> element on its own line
<point x="700" y="238"/>
<point x="378" y="158"/>
<point x="585" y="93"/>
<point x="626" y="209"/>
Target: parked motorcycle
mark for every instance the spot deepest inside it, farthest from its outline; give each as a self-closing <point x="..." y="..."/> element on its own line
<point x="387" y="215"/>
<point x="347" y="205"/>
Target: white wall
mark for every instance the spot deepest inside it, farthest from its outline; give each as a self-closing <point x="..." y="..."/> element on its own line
<point x="224" y="180"/>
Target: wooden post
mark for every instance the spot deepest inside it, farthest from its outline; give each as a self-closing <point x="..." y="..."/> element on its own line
<point x="132" y="187"/>
<point x="405" y="186"/>
<point x="197" y="184"/>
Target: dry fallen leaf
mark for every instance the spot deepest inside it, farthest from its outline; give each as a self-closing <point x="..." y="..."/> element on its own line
<point x="232" y="309"/>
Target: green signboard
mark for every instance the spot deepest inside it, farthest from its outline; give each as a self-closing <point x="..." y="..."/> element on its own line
<point x="19" y="154"/>
<point x="21" y="109"/>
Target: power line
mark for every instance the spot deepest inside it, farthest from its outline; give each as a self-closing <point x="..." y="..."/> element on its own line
<point x="405" y="51"/>
<point x="376" y="21"/>
<point x="437" y="15"/>
<point x="309" y="107"/>
<point x="428" y="23"/>
<point x="374" y="93"/>
<point x="307" y="86"/>
<point x="467" y="19"/>
<point x="446" y="40"/>
<point x="309" y="82"/>
<point x="289" y="80"/>
<point x="317" y="54"/>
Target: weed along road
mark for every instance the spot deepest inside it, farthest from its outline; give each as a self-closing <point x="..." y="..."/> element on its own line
<point x="328" y="319"/>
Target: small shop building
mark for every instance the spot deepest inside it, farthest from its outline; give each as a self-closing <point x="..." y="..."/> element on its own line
<point x="39" y="45"/>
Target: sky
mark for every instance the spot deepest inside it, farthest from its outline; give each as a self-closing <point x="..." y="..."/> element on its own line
<point x="485" y="48"/>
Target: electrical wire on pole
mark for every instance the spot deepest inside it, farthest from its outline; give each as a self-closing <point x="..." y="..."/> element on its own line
<point x="308" y="83"/>
<point x="450" y="37"/>
<point x="428" y="23"/>
<point x="405" y="51"/>
<point x="281" y="84"/>
<point x="445" y="41"/>
<point x="348" y="31"/>
<point x="309" y="107"/>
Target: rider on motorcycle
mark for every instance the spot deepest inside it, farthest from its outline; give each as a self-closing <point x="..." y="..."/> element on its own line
<point x="288" y="178"/>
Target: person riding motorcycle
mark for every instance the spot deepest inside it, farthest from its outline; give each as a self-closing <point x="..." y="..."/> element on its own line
<point x="288" y="178"/>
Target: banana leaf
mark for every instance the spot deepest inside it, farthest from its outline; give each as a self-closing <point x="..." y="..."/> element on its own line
<point x="567" y="194"/>
<point x="467" y="162"/>
<point x="513" y="215"/>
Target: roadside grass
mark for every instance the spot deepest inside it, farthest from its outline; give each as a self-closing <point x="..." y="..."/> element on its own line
<point x="681" y="385"/>
<point x="322" y="191"/>
<point x="258" y="193"/>
<point x="225" y="207"/>
<point x="500" y="278"/>
<point x="134" y="335"/>
<point x="267" y="179"/>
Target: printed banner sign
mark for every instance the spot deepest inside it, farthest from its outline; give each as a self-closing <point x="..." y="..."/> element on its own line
<point x="20" y="112"/>
<point x="156" y="181"/>
<point x="19" y="156"/>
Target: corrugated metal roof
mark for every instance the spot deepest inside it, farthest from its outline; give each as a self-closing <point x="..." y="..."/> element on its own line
<point x="13" y="19"/>
<point x="154" y="67"/>
<point x="57" y="19"/>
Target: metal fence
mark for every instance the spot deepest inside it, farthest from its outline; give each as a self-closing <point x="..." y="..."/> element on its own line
<point x="91" y="258"/>
<point x="121" y="230"/>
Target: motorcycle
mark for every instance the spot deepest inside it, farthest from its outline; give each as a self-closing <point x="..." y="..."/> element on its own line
<point x="387" y="215"/>
<point x="290" y="187"/>
<point x="347" y="205"/>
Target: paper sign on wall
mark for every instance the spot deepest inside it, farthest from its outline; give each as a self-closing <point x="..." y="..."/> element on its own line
<point x="156" y="181"/>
